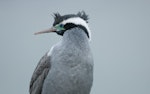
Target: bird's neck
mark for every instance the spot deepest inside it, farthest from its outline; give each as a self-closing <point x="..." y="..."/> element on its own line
<point x="74" y="45"/>
<point x="75" y="36"/>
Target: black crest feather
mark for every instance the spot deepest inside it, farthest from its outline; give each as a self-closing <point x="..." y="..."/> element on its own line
<point x="83" y="15"/>
<point x="58" y="18"/>
<point x="57" y="15"/>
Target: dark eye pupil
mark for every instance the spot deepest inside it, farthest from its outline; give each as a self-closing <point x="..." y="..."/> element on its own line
<point x="61" y="25"/>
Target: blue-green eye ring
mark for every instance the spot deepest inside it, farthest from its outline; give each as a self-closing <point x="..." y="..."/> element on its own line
<point x="59" y="27"/>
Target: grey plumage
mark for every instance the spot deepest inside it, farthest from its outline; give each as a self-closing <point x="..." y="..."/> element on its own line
<point x="68" y="69"/>
<point x="39" y="75"/>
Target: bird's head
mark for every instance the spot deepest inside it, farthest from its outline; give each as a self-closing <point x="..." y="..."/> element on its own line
<point x="66" y="22"/>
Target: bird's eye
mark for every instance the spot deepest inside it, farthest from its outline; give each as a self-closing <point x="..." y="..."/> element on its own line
<point x="61" y="25"/>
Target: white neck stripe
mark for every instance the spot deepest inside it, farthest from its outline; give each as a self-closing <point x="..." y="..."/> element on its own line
<point x="78" y="21"/>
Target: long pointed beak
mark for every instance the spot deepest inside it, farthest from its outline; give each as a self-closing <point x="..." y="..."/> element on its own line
<point x="52" y="29"/>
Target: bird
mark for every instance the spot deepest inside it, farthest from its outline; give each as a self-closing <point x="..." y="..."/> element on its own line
<point x="67" y="68"/>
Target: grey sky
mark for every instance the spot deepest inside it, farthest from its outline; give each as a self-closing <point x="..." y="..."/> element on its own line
<point x="120" y="42"/>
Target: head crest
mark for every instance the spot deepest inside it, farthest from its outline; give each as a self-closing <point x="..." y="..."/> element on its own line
<point x="83" y="15"/>
<point x="57" y="17"/>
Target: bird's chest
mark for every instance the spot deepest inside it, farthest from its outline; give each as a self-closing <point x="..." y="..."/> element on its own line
<point x="71" y="72"/>
<point x="71" y="59"/>
<point x="71" y="77"/>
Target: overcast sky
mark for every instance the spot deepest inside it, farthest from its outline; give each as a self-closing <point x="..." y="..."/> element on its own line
<point x="120" y="42"/>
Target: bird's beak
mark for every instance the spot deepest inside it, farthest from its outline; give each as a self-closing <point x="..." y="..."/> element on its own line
<point x="52" y="29"/>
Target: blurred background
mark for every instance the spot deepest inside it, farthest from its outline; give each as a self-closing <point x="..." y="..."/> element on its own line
<point x="120" y="42"/>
